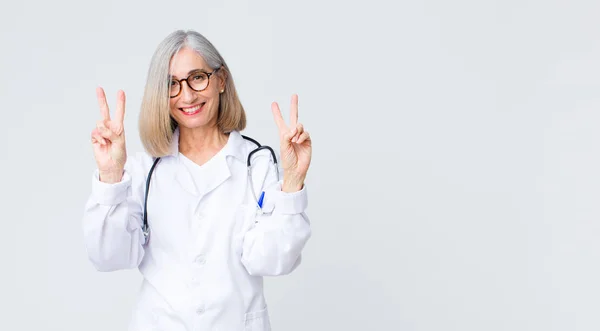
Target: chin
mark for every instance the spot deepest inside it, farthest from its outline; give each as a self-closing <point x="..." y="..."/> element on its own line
<point x="192" y="122"/>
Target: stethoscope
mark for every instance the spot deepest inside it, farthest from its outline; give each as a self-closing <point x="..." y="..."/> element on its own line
<point x="259" y="200"/>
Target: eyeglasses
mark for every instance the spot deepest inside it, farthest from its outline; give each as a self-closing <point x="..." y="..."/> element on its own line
<point x="197" y="81"/>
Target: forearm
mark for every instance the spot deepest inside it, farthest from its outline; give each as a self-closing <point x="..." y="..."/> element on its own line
<point x="111" y="176"/>
<point x="292" y="183"/>
<point x="274" y="247"/>
<point x="112" y="240"/>
<point x="275" y="243"/>
<point x="112" y="232"/>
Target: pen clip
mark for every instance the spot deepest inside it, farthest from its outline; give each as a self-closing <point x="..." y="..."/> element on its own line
<point x="261" y="199"/>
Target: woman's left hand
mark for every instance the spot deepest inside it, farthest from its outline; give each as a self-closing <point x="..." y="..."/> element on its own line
<point x="296" y="148"/>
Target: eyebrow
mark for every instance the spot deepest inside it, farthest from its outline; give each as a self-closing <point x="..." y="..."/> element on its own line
<point x="189" y="73"/>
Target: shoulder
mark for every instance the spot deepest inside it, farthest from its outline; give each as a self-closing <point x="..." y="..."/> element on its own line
<point x="249" y="141"/>
<point x="246" y="143"/>
<point x="263" y="156"/>
<point x="139" y="163"/>
<point x="256" y="147"/>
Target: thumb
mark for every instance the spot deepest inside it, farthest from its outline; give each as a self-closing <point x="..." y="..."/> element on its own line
<point x="107" y="133"/>
<point x="286" y="139"/>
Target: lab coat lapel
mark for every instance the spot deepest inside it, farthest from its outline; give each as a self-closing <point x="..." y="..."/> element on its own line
<point x="184" y="178"/>
<point x="217" y="167"/>
<point x="218" y="171"/>
<point x="182" y="175"/>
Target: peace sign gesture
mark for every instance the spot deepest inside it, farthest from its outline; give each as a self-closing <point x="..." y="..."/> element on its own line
<point x="296" y="147"/>
<point x="108" y="139"/>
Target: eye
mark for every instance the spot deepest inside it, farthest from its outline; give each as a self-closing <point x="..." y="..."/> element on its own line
<point x="199" y="76"/>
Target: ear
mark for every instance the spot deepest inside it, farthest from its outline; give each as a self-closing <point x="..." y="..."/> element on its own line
<point x="222" y="78"/>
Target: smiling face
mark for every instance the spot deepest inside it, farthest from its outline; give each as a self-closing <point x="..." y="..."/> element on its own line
<point x="192" y="109"/>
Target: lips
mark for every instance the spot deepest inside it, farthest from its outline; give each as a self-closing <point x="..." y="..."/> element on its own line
<point x="193" y="110"/>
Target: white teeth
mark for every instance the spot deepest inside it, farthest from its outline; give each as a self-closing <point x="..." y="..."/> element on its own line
<point x="191" y="110"/>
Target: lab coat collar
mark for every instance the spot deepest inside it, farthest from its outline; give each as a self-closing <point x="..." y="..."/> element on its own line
<point x="235" y="146"/>
<point x="218" y="166"/>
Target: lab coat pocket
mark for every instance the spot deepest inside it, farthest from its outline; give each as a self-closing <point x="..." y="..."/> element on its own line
<point x="257" y="321"/>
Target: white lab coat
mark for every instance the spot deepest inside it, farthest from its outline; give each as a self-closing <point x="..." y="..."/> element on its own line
<point x="209" y="244"/>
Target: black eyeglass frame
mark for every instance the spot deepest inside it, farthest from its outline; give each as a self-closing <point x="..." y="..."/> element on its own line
<point x="180" y="82"/>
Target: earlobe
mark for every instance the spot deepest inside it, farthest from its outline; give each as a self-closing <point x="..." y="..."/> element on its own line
<point x="223" y="80"/>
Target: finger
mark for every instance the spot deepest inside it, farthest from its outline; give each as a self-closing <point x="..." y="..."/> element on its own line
<point x="97" y="137"/>
<point x="299" y="131"/>
<point x="289" y="135"/>
<point x="111" y="126"/>
<point x="102" y="103"/>
<point x="102" y="124"/>
<point x="303" y="137"/>
<point x="120" y="115"/>
<point x="294" y="111"/>
<point x="106" y="133"/>
<point x="278" y="118"/>
<point x="99" y="141"/>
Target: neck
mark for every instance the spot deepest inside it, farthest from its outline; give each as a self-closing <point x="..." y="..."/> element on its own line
<point x="201" y="144"/>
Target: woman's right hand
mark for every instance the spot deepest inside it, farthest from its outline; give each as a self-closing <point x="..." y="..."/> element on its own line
<point x="108" y="139"/>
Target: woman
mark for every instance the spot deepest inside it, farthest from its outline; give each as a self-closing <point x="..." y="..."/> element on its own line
<point x="213" y="234"/>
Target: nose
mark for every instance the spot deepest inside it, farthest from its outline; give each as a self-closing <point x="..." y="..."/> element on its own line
<point x="187" y="94"/>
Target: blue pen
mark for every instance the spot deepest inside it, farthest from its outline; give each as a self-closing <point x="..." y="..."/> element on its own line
<point x="260" y="200"/>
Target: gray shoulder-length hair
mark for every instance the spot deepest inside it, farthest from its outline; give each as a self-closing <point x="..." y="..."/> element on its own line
<point x="156" y="125"/>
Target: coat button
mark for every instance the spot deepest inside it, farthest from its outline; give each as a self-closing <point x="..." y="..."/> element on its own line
<point x="200" y="310"/>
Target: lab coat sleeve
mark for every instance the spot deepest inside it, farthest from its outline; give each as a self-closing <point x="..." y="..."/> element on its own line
<point x="273" y="245"/>
<point x="112" y="220"/>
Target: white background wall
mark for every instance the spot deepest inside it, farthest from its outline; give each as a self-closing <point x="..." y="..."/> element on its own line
<point x="455" y="179"/>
